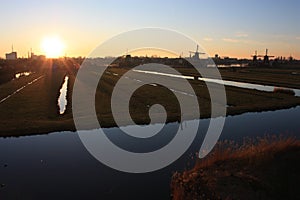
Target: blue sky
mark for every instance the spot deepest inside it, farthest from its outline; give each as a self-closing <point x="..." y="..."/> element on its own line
<point x="229" y="28"/>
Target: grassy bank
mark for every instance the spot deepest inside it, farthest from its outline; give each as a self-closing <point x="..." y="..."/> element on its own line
<point x="265" y="168"/>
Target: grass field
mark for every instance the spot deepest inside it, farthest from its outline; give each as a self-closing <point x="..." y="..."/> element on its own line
<point x="283" y="76"/>
<point x="34" y="110"/>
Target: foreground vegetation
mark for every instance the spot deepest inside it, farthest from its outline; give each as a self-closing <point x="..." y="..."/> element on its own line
<point x="265" y="168"/>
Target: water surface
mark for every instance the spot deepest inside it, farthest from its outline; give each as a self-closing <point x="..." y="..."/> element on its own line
<point x="62" y="99"/>
<point x="18" y="75"/>
<point x="57" y="166"/>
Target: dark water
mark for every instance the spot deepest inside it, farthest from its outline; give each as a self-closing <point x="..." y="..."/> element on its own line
<point x="57" y="166"/>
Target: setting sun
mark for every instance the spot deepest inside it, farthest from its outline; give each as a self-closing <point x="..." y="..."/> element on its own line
<point x="53" y="47"/>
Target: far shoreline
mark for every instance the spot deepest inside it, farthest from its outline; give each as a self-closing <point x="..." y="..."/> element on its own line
<point x="70" y="127"/>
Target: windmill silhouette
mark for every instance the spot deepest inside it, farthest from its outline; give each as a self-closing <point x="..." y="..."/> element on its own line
<point x="196" y="53"/>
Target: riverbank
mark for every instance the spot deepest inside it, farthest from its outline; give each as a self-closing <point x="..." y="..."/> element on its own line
<point x="34" y="110"/>
<point x="266" y="168"/>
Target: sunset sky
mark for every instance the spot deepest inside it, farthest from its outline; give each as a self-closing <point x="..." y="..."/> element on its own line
<point x="228" y="28"/>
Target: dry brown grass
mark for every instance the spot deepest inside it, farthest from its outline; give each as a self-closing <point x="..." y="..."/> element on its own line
<point x="261" y="168"/>
<point x="251" y="149"/>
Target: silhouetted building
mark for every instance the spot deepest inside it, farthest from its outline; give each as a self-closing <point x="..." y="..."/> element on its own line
<point x="37" y="57"/>
<point x="11" y="56"/>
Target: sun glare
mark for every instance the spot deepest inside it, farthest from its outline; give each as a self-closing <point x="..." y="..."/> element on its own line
<point x="53" y="47"/>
